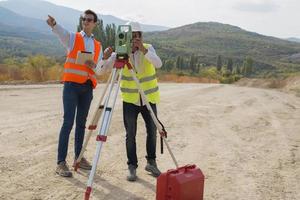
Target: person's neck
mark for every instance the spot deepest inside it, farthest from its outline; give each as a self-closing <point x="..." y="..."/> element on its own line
<point x="88" y="32"/>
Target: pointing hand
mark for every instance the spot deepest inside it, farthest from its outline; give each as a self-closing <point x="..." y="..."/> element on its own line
<point x="51" y="21"/>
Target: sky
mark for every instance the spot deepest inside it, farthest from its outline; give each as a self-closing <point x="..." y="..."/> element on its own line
<point x="277" y="18"/>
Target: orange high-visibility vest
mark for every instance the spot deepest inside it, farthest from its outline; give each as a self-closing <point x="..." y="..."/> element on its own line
<point x="80" y="73"/>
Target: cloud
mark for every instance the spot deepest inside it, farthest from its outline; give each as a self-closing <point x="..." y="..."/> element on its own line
<point x="260" y="6"/>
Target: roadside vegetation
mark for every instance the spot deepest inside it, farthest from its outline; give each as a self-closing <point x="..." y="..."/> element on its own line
<point x="189" y="54"/>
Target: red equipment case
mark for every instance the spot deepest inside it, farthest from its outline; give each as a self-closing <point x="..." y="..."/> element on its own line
<point x="184" y="183"/>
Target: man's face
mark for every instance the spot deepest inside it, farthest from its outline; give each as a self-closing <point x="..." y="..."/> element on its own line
<point x="88" y="22"/>
<point x="136" y="34"/>
<point x="137" y="38"/>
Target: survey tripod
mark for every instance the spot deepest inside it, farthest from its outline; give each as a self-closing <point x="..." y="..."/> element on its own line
<point x="104" y="112"/>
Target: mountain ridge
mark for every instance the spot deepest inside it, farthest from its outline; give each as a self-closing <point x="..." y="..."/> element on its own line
<point x="13" y="19"/>
<point x="204" y="40"/>
<point x="293" y="39"/>
<point x="66" y="16"/>
<point x="220" y="35"/>
<point x="207" y="40"/>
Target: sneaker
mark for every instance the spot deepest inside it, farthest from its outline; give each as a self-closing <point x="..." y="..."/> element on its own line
<point x="62" y="169"/>
<point x="84" y="164"/>
<point x="132" y="173"/>
<point x="152" y="168"/>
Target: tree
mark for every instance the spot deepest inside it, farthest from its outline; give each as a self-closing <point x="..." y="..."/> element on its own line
<point x="168" y="64"/>
<point x="12" y="69"/>
<point x="199" y="65"/>
<point x="248" y="66"/>
<point x="193" y="63"/>
<point x="110" y="32"/>
<point x="230" y="65"/>
<point x="79" y="26"/>
<point x="179" y="63"/>
<point x="238" y="70"/>
<point x="99" y="33"/>
<point x="37" y="67"/>
<point x="219" y="63"/>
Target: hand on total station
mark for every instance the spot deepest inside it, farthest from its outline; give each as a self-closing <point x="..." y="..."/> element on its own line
<point x="51" y="21"/>
<point x="90" y="64"/>
<point x="107" y="53"/>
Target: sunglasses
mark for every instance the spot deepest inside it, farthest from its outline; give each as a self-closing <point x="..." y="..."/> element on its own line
<point x="87" y="19"/>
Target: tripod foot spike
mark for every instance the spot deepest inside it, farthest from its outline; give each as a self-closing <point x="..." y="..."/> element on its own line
<point x="76" y="166"/>
<point x="88" y="193"/>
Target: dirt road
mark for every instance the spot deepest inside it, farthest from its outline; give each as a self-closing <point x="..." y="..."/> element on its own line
<point x="246" y="141"/>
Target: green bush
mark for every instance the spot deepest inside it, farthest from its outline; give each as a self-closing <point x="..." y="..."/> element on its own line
<point x="210" y="72"/>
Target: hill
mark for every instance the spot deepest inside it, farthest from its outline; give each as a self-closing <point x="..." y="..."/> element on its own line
<point x="293" y="39"/>
<point x="39" y="9"/>
<point x="20" y="42"/>
<point x="208" y="40"/>
<point x="203" y="40"/>
<point x="12" y="19"/>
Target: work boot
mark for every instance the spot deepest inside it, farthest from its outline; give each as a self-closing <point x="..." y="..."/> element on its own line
<point x="83" y="164"/>
<point x="152" y="168"/>
<point x="132" y="173"/>
<point x="62" y="169"/>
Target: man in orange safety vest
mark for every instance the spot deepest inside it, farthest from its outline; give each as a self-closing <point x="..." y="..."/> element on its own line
<point x="79" y="81"/>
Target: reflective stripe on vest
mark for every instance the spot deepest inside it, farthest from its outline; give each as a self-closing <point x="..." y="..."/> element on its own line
<point x="128" y="90"/>
<point x="73" y="61"/>
<point x="144" y="79"/>
<point x="78" y="72"/>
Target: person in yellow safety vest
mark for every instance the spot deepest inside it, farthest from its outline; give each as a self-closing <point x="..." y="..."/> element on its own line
<point x="144" y="60"/>
<point x="79" y="81"/>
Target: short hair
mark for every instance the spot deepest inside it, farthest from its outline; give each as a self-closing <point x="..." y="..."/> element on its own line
<point x="90" y="12"/>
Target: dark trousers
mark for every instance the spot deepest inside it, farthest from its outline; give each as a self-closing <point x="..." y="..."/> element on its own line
<point x="130" y="114"/>
<point x="76" y="99"/>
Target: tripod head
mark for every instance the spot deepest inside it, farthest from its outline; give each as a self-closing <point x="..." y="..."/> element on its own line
<point x="123" y="42"/>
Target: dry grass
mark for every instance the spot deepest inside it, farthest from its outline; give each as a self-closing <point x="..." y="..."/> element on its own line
<point x="290" y="84"/>
<point x="262" y="83"/>
<point x="13" y="74"/>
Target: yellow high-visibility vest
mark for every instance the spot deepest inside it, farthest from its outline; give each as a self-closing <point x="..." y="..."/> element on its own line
<point x="148" y="81"/>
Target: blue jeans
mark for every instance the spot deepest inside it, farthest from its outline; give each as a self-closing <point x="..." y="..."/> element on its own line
<point x="130" y="114"/>
<point x="76" y="99"/>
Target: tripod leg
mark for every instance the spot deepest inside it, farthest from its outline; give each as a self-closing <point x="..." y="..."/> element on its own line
<point x="156" y="122"/>
<point x="105" y="122"/>
<point x="93" y="124"/>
